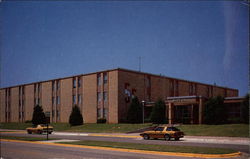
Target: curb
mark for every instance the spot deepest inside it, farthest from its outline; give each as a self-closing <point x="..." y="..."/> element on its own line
<point x="237" y="154"/>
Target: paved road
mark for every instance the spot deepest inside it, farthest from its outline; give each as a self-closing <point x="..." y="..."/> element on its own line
<point x="242" y="148"/>
<point x="13" y="150"/>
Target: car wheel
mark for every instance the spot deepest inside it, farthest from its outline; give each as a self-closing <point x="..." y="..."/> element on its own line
<point x="50" y="132"/>
<point x="29" y="132"/>
<point x="145" y="137"/>
<point x="167" y="137"/>
<point x="177" y="139"/>
<point x="39" y="132"/>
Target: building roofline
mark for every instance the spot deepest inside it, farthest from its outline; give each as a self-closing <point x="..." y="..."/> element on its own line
<point x="139" y="72"/>
<point x="118" y="69"/>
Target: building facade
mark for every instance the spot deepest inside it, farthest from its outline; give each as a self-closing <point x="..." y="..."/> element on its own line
<point x="106" y="94"/>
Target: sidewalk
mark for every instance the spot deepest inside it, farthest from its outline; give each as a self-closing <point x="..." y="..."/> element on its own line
<point x="195" y="139"/>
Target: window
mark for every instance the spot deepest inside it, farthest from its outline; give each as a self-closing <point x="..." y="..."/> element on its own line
<point x="99" y="113"/>
<point x="53" y="85"/>
<point x="159" y="129"/>
<point x="57" y="100"/>
<point x="38" y="89"/>
<point x="99" y="82"/>
<point x="105" y="96"/>
<point x="74" y="99"/>
<point x="105" y="113"/>
<point x="79" y="98"/>
<point x="99" y="98"/>
<point x="74" y="82"/>
<point x="79" y="82"/>
<point x="105" y="78"/>
<point x="57" y="85"/>
<point x="23" y="90"/>
<point x="53" y="100"/>
<point x="57" y="113"/>
<point x="38" y="101"/>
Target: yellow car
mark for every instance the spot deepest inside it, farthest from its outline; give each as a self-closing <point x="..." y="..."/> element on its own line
<point x="39" y="129"/>
<point x="166" y="132"/>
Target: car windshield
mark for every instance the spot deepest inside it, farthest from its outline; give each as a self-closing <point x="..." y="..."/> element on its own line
<point x="159" y="129"/>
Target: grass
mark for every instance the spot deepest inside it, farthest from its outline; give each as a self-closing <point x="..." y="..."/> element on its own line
<point x="230" y="130"/>
<point x="26" y="138"/>
<point x="160" y="148"/>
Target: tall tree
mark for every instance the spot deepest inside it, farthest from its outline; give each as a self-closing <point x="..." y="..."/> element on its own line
<point x="135" y="111"/>
<point x="215" y="111"/>
<point x="158" y="114"/>
<point x="75" y="117"/>
<point x="245" y="110"/>
<point x="38" y="116"/>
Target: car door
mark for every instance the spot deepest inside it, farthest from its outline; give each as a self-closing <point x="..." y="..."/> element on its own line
<point x="158" y="132"/>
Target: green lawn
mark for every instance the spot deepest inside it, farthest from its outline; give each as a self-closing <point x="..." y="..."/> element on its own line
<point x="232" y="130"/>
<point x="161" y="148"/>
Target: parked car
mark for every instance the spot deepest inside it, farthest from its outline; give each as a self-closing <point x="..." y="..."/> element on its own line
<point x="39" y="129"/>
<point x="166" y="132"/>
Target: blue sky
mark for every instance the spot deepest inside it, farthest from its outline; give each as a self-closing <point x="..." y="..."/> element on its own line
<point x="199" y="40"/>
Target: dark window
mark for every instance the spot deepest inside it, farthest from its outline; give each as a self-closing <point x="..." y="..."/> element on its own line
<point x="57" y="85"/>
<point x="105" y="78"/>
<point x="74" y="82"/>
<point x="159" y="129"/>
<point x="99" y="97"/>
<point x="105" y="113"/>
<point x="105" y="96"/>
<point x="79" y="98"/>
<point x="99" y="82"/>
<point x="53" y="85"/>
<point x="23" y="90"/>
<point x="57" y="100"/>
<point x="99" y="112"/>
<point x="79" y="81"/>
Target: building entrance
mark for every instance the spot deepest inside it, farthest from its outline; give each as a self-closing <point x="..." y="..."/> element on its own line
<point x="182" y="114"/>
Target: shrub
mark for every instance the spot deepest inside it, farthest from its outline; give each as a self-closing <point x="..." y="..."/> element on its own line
<point x="135" y="111"/>
<point x="38" y="116"/>
<point x="158" y="114"/>
<point x="215" y="111"/>
<point x="75" y="117"/>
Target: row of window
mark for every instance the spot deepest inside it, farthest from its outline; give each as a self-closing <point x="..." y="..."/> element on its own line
<point x="99" y="80"/>
<point x="55" y="85"/>
<point x="100" y="94"/>
<point x="79" y="99"/>
<point x="101" y="112"/>
<point x="79" y="82"/>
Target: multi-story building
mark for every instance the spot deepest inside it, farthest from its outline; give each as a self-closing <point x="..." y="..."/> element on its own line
<point x="106" y="94"/>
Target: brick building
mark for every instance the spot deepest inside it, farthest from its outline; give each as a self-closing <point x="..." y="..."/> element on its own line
<point x="106" y="94"/>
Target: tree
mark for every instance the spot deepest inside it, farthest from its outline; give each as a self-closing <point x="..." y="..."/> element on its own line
<point x="38" y="116"/>
<point x="158" y="114"/>
<point x="245" y="110"/>
<point x="75" y="117"/>
<point x="135" y="111"/>
<point x="215" y="111"/>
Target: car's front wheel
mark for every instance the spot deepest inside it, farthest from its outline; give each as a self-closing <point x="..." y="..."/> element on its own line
<point x="145" y="137"/>
<point x="29" y="132"/>
<point x="167" y="137"/>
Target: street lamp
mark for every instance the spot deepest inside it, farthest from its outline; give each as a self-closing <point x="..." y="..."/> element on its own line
<point x="143" y="104"/>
